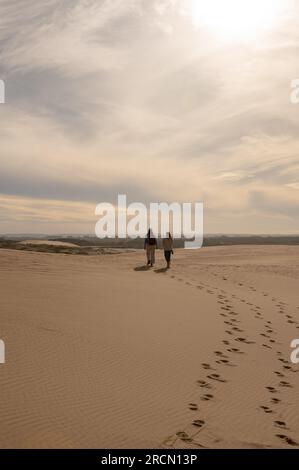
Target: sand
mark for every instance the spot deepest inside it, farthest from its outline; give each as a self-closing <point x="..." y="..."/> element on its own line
<point x="102" y="353"/>
<point x="49" y="243"/>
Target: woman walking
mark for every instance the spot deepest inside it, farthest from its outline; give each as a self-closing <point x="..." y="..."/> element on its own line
<point x="150" y="245"/>
<point x="168" y="248"/>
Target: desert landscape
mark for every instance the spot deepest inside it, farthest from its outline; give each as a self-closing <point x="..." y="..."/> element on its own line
<point x="132" y="131"/>
<point x="102" y="352"/>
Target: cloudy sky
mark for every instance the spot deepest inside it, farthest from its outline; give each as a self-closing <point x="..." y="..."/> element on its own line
<point x="164" y="100"/>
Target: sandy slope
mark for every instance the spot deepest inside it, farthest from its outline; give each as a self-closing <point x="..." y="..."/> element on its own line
<point x="102" y="353"/>
<point x="49" y="243"/>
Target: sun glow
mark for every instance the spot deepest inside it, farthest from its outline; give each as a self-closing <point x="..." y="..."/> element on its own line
<point x="233" y="19"/>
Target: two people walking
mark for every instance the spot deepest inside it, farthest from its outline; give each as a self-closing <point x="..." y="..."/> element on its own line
<point x="150" y="245"/>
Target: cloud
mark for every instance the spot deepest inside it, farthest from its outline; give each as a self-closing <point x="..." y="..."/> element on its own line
<point x="276" y="203"/>
<point x="108" y="97"/>
<point x="293" y="185"/>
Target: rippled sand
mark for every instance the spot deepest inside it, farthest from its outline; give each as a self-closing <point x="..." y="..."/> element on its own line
<point x="103" y="353"/>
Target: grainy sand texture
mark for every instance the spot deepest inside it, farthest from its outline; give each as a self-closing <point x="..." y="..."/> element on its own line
<point x="102" y="352"/>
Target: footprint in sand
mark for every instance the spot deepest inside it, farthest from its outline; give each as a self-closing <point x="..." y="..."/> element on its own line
<point x="207" y="366"/>
<point x="198" y="423"/>
<point x="244" y="340"/>
<point x="204" y="384"/>
<point x="272" y="389"/>
<point x="225" y="362"/>
<point x="280" y="424"/>
<point x="266" y="409"/>
<point x="283" y="361"/>
<point x="238" y="329"/>
<point x="266" y="346"/>
<point x="193" y="407"/>
<point x="275" y="401"/>
<point x="228" y="332"/>
<point x="287" y="439"/>
<point x="289" y="368"/>
<point x="279" y="374"/>
<point x="184" y="436"/>
<point x="227" y="343"/>
<point x="236" y="351"/>
<point x="220" y="354"/>
<point x="216" y="377"/>
<point x="285" y="384"/>
<point x="207" y="397"/>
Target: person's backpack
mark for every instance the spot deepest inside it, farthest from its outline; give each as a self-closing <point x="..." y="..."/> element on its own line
<point x="152" y="241"/>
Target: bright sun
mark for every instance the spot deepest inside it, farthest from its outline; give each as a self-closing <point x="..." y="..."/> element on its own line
<point x="236" y="19"/>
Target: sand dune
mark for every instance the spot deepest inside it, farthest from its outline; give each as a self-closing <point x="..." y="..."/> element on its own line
<point x="49" y="243"/>
<point x="103" y="353"/>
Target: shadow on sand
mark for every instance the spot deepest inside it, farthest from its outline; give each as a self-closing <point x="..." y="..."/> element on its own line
<point x="160" y="271"/>
<point x="142" y="268"/>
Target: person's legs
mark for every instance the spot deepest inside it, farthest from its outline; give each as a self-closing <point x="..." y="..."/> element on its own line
<point x="148" y="254"/>
<point x="152" y="257"/>
<point x="167" y="255"/>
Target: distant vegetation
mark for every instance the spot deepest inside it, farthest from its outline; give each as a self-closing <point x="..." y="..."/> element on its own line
<point x="89" y="245"/>
<point x="224" y="240"/>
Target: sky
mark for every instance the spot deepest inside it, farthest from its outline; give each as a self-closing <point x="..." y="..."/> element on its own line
<point x="162" y="100"/>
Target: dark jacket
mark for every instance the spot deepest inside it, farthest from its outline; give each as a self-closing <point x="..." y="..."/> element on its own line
<point x="150" y="241"/>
